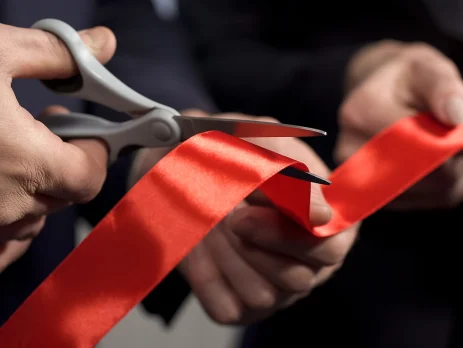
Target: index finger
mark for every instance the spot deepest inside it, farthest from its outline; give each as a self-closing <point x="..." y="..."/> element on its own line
<point x="34" y="53"/>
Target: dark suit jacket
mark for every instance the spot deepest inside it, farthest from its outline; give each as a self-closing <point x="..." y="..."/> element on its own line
<point x="152" y="59"/>
<point x="399" y="286"/>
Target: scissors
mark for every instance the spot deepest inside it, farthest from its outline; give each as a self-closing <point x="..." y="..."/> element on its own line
<point x="152" y="124"/>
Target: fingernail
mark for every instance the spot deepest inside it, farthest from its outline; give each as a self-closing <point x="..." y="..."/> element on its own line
<point x="95" y="39"/>
<point x="454" y="110"/>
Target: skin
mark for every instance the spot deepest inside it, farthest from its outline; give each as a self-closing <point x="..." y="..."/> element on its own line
<point x="388" y="81"/>
<point x="39" y="173"/>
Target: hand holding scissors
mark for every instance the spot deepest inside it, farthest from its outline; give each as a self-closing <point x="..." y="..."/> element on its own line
<point x="39" y="173"/>
<point x="152" y="124"/>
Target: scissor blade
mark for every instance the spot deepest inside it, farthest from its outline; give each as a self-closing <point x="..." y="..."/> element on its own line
<point x="242" y="128"/>
<point x="306" y="176"/>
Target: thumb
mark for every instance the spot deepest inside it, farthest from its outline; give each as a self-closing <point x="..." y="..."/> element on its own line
<point x="33" y="53"/>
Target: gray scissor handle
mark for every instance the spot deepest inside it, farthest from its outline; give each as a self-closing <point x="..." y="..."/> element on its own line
<point x="95" y="83"/>
<point x="120" y="137"/>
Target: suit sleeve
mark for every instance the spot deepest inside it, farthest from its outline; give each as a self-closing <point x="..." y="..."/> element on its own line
<point x="250" y="67"/>
<point x="152" y="59"/>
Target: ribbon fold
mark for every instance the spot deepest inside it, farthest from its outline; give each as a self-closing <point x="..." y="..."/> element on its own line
<point x="183" y="197"/>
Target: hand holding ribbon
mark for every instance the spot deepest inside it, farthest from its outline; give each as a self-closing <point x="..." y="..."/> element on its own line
<point x="388" y="81"/>
<point x="257" y="260"/>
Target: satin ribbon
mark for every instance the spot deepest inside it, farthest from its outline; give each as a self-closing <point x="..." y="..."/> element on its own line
<point x="183" y="197"/>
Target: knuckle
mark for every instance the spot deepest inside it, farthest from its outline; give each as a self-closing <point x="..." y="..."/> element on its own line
<point x="41" y="41"/>
<point x="54" y="45"/>
<point x="390" y="44"/>
<point x="448" y="67"/>
<point x="298" y="279"/>
<point x="421" y="57"/>
<point x="227" y="317"/>
<point x="336" y="249"/>
<point x="341" y="153"/>
<point x="419" y="51"/>
<point x="333" y="256"/>
<point x="85" y="184"/>
<point x="261" y="299"/>
<point x="349" y="112"/>
<point x="343" y="147"/>
<point x="248" y="227"/>
<point x="87" y="189"/>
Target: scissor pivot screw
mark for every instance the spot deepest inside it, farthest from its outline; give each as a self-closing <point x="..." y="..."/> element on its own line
<point x="161" y="131"/>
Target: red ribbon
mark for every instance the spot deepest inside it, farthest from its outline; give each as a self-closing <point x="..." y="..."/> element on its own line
<point x="183" y="197"/>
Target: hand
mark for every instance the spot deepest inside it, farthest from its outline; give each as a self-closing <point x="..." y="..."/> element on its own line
<point x="389" y="81"/>
<point x="256" y="260"/>
<point x="39" y="173"/>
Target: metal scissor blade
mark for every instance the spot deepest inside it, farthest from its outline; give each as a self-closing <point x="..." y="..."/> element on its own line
<point x="306" y="176"/>
<point x="191" y="126"/>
